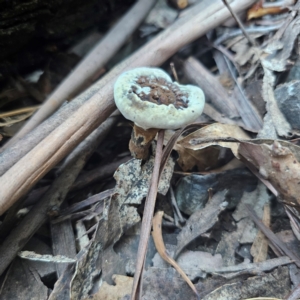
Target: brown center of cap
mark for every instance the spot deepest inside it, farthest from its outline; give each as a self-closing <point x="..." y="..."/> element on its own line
<point x="160" y="92"/>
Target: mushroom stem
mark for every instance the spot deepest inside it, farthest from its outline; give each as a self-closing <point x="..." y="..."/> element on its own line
<point x="140" y="141"/>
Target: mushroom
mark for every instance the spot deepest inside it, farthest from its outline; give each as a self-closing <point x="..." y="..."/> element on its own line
<point x="149" y="98"/>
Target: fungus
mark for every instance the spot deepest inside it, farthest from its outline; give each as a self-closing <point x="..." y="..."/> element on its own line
<point x="149" y="98"/>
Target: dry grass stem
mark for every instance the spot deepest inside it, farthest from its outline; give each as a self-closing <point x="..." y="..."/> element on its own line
<point x="147" y="216"/>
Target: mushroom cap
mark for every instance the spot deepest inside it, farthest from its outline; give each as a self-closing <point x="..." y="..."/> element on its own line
<point x="147" y="114"/>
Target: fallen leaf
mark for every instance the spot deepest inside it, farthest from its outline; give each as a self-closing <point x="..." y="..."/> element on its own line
<point x="122" y="287"/>
<point x="192" y="150"/>
<point x="278" y="164"/>
<point x="165" y="284"/>
<point x="193" y="263"/>
<point x="275" y="122"/>
<point x="23" y="282"/>
<point x="279" y="50"/>
<point x="276" y="283"/>
<point x="201" y="221"/>
<point x="257" y="10"/>
<point x="259" y="248"/>
<point x="216" y="131"/>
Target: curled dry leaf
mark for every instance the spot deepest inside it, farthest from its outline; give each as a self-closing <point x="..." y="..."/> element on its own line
<point x="258" y="10"/>
<point x="192" y="150"/>
<point x="278" y="163"/>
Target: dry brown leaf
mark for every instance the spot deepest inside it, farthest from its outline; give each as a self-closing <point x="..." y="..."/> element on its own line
<point x="259" y="249"/>
<point x="22" y="282"/>
<point x="257" y="10"/>
<point x="191" y="148"/>
<point x="278" y="164"/>
<point x="114" y="292"/>
<point x="202" y="159"/>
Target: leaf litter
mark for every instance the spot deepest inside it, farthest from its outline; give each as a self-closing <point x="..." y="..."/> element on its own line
<point x="238" y="235"/>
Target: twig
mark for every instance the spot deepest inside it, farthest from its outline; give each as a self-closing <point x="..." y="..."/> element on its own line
<point x="175" y="206"/>
<point x="89" y="66"/>
<point x="249" y="115"/>
<point x="259" y="248"/>
<point x="252" y="30"/>
<point x="19" y="149"/>
<point x="19" y="111"/>
<point x="161" y="249"/>
<point x="20" y="178"/>
<point x="82" y="180"/>
<point x="174" y="72"/>
<point x="272" y="237"/>
<point x="52" y="199"/>
<point x="147" y="216"/>
<point x="211" y="86"/>
<point x="237" y="19"/>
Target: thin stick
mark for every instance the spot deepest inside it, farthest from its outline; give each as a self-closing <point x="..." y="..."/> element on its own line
<point x="237" y="19"/>
<point x="147" y="216"/>
<point x="175" y="206"/>
<point x="174" y="72"/>
<point x="197" y="73"/>
<point x="90" y="65"/>
<point x="20" y="178"/>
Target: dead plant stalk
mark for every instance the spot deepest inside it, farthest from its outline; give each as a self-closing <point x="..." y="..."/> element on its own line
<point x="147" y="216"/>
